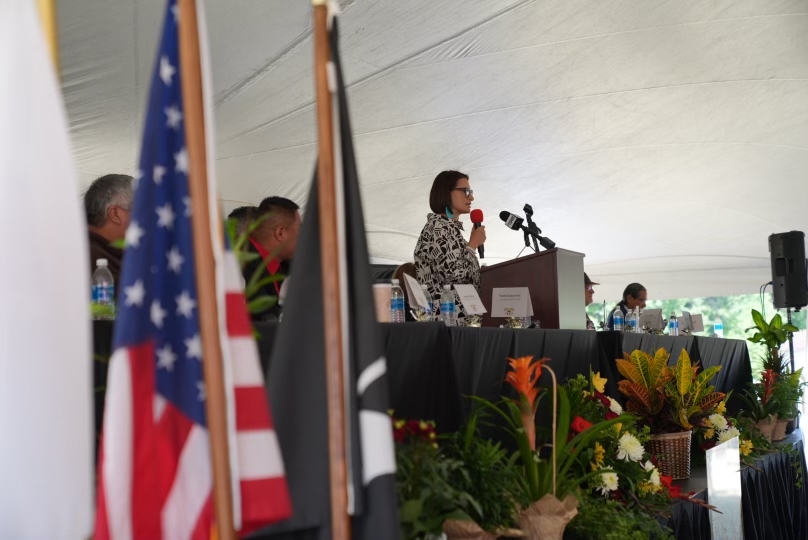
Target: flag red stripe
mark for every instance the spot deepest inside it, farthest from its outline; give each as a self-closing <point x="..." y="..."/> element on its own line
<point x="204" y="524"/>
<point x="251" y="409"/>
<point x="263" y="501"/>
<point x="145" y="474"/>
<point x="172" y="429"/>
<point x="101" y="525"/>
<point x="238" y="323"/>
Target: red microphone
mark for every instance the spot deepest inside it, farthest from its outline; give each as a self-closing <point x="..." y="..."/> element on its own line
<point x="477" y="219"/>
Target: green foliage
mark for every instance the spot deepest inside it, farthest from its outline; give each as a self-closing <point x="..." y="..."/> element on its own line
<point x="644" y="386"/>
<point x="772" y="336"/>
<point x="488" y="476"/>
<point x="604" y="519"/>
<point x="755" y="408"/>
<point x="689" y="394"/>
<point x="256" y="303"/>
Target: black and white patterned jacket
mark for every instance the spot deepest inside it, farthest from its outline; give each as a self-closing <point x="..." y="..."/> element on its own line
<point x="443" y="257"/>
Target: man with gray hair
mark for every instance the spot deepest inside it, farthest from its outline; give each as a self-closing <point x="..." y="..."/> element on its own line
<point x="107" y="205"/>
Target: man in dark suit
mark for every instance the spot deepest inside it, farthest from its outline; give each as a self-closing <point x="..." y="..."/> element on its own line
<point x="275" y="241"/>
<point x="107" y="204"/>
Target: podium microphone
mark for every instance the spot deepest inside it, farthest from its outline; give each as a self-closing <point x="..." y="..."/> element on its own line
<point x="511" y="221"/>
<point x="477" y="219"/>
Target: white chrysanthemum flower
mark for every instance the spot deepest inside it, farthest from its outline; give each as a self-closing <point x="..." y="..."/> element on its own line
<point x="615" y="407"/>
<point x="608" y="482"/>
<point x="648" y="466"/>
<point x="718" y="421"/>
<point x="629" y="448"/>
<point x="724" y="436"/>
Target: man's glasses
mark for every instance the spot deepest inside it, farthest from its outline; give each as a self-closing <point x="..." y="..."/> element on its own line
<point x="467" y="191"/>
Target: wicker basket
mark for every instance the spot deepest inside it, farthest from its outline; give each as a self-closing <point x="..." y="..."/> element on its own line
<point x="673" y="451"/>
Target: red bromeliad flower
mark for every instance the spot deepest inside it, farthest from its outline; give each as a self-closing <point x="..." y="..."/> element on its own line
<point x="769" y="378"/>
<point x="524" y="375"/>
<point x="580" y="425"/>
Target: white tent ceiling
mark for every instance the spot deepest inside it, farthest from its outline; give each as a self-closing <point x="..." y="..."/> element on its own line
<point x="664" y="139"/>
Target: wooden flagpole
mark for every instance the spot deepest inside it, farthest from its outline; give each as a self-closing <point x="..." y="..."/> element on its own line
<point x="329" y="254"/>
<point x="47" y="14"/>
<point x="193" y="105"/>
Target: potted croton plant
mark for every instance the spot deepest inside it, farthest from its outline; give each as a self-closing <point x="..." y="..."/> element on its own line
<point x="671" y="402"/>
<point x="550" y="479"/>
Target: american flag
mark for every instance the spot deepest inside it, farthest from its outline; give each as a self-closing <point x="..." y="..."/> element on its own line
<point x="155" y="477"/>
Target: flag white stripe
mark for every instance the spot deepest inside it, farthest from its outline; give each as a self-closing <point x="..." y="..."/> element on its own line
<point x="246" y="365"/>
<point x="118" y="447"/>
<point x="371" y="374"/>
<point x="191" y="488"/>
<point x="259" y="455"/>
<point x="378" y="454"/>
<point x="233" y="280"/>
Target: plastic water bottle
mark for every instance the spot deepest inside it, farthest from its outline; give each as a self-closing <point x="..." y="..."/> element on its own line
<point x="718" y="328"/>
<point x="630" y="322"/>
<point x="636" y="323"/>
<point x="618" y="319"/>
<point x="396" y="303"/>
<point x="448" y="310"/>
<point x="103" y="287"/>
<point x="673" y="325"/>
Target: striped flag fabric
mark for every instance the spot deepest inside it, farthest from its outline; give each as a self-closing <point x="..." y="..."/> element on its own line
<point x="155" y="475"/>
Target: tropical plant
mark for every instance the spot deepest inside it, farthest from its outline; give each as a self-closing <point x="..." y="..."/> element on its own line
<point x="788" y="391"/>
<point x="644" y="386"/>
<point x="256" y="303"/>
<point x="689" y="394"/>
<point x="771" y="335"/>
<point x="539" y="471"/>
<point x="488" y="475"/>
<point x="760" y="402"/>
<point x="426" y="496"/>
<point x="605" y="519"/>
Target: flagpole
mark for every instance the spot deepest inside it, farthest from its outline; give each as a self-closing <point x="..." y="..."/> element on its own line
<point x="191" y="74"/>
<point x="47" y="14"/>
<point x="329" y="254"/>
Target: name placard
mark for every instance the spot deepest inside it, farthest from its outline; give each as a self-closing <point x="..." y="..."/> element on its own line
<point x="470" y="299"/>
<point x="415" y="294"/>
<point x="511" y="302"/>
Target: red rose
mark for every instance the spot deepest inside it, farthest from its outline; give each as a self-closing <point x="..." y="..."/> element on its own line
<point x="603" y="399"/>
<point x="666" y="480"/>
<point x="412" y="425"/>
<point x="399" y="435"/>
<point x="610" y="415"/>
<point x="580" y="425"/>
<point x="675" y="491"/>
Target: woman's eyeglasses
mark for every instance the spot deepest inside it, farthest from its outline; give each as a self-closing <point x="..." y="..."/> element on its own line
<point x="467" y="191"/>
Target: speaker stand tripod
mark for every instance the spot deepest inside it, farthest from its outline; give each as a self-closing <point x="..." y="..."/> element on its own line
<point x="790" y="341"/>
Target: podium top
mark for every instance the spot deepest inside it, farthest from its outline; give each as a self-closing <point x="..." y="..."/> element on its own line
<point x="550" y="252"/>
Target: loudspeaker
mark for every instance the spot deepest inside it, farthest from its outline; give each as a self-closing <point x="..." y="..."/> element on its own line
<point x="789" y="278"/>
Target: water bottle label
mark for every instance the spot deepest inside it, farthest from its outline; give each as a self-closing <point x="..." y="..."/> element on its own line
<point x="447" y="307"/>
<point x="397" y="304"/>
<point x="104" y="294"/>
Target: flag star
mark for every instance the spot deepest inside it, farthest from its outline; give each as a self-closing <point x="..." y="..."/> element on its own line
<point x="181" y="161"/>
<point x="157" y="314"/>
<point x="133" y="234"/>
<point x="187" y="201"/>
<point x="166" y="358"/>
<point x="135" y="294"/>
<point x="136" y="179"/>
<point x="173" y="117"/>
<point x="166" y="70"/>
<point x="175" y="260"/>
<point x="185" y="304"/>
<point x="165" y="216"/>
<point x="194" y="346"/>
<point x="159" y="172"/>
<point x="202" y="393"/>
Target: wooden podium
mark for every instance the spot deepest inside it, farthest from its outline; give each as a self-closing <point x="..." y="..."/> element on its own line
<point x="556" y="281"/>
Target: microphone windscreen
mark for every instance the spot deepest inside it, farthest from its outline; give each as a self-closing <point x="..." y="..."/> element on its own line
<point x="476" y="216"/>
<point x="504" y="215"/>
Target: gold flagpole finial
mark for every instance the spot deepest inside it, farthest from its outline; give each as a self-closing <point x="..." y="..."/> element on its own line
<point x="47" y="13"/>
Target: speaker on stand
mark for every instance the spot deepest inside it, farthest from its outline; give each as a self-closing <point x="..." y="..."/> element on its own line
<point x="789" y="276"/>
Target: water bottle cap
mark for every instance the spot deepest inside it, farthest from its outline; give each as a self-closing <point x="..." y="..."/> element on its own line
<point x="447" y="287"/>
<point x="394" y="281"/>
<point x="101" y="262"/>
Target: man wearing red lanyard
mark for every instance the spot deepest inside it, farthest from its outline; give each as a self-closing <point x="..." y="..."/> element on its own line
<point x="275" y="240"/>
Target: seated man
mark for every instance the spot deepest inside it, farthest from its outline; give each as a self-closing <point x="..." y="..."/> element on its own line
<point x="275" y="240"/>
<point x="106" y="204"/>
<point x="589" y="293"/>
<point x="243" y="216"/>
<point x="634" y="296"/>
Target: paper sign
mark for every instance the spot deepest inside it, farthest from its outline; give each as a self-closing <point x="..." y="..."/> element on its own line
<point x="685" y="322"/>
<point x="470" y="299"/>
<point x="697" y="322"/>
<point x="415" y="293"/>
<point x="724" y="489"/>
<point x="652" y="318"/>
<point x="511" y="302"/>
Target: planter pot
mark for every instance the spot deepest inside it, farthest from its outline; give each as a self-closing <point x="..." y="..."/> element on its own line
<point x="547" y="518"/>
<point x="793" y="424"/>
<point x="779" y="432"/>
<point x="673" y="451"/>
<point x="456" y="529"/>
<point x="766" y="427"/>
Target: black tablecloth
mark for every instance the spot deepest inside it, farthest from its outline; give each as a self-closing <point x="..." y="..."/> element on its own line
<point x="774" y="507"/>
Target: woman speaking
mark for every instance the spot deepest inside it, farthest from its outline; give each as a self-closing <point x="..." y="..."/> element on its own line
<point x="442" y="255"/>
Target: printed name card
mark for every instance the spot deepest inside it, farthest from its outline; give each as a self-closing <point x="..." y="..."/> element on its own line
<point x="415" y="294"/>
<point x="470" y="299"/>
<point x="511" y="302"/>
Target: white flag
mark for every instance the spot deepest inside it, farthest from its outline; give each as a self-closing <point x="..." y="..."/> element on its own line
<point x="46" y="435"/>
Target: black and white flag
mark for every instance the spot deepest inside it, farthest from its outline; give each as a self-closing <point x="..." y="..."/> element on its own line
<point x="296" y="374"/>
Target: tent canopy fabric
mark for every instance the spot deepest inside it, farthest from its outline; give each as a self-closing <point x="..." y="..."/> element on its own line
<point x="665" y="140"/>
